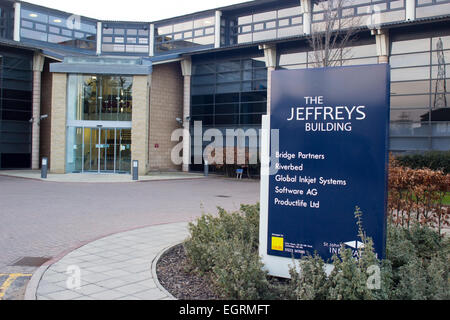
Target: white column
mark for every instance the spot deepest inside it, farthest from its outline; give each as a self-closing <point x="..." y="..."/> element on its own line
<point x="410" y="10"/>
<point x="38" y="67"/>
<point x="99" y="38"/>
<point x="17" y="15"/>
<point x="217" y="29"/>
<point x="186" y="68"/>
<point x="383" y="45"/>
<point x="151" y="51"/>
<point x="306" y="6"/>
<point x="270" y="55"/>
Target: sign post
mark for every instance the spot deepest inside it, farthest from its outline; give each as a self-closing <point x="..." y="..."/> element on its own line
<point x="332" y="156"/>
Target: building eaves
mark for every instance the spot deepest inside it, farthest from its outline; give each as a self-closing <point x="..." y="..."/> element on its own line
<point x="18" y="45"/>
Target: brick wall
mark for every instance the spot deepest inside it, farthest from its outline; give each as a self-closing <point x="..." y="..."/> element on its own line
<point x="58" y="123"/>
<point x="166" y="104"/>
<point x="139" y="131"/>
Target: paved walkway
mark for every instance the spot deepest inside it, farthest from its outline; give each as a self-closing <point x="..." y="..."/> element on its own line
<point x="118" y="267"/>
<point x="99" y="178"/>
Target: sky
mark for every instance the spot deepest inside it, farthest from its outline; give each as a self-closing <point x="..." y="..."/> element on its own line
<point x="133" y="10"/>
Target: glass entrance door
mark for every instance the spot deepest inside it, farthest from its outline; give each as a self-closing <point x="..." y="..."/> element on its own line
<point x="100" y="150"/>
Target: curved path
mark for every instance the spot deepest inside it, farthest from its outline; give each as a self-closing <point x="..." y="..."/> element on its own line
<point x="118" y="267"/>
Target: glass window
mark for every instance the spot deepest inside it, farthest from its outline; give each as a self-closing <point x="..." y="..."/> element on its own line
<point x="126" y="37"/>
<point x="100" y="98"/>
<point x="34" y="16"/>
<point x="420" y="115"/>
<point x="184" y="35"/>
<point x="229" y="92"/>
<point x="37" y="24"/>
<point x="15" y="110"/>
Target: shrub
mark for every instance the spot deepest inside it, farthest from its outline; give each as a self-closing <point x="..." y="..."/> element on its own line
<point x="416" y="196"/>
<point x="419" y="258"/>
<point x="350" y="277"/>
<point x="436" y="160"/>
<point x="238" y="271"/>
<point x="226" y="248"/>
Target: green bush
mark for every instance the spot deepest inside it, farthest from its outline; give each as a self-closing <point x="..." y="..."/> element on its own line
<point x="225" y="248"/>
<point x="436" y="160"/>
<point x="209" y="231"/>
<point x="238" y="272"/>
<point x="420" y="264"/>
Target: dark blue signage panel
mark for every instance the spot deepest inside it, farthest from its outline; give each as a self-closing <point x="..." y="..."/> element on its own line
<point x="332" y="157"/>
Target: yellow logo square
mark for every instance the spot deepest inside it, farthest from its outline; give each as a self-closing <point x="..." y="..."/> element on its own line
<point x="277" y="244"/>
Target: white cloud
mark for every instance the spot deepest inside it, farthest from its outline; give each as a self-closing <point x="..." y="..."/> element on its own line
<point x="133" y="10"/>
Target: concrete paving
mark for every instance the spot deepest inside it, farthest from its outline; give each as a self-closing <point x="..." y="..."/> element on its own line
<point x="45" y="219"/>
<point x="118" y="267"/>
<point x="99" y="178"/>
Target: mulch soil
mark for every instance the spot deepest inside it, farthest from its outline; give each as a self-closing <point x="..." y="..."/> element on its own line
<point x="176" y="277"/>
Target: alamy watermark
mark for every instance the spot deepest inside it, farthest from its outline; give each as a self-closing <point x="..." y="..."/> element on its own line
<point x="241" y="147"/>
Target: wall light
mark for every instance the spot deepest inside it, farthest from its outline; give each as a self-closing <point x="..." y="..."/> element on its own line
<point x="33" y="15"/>
<point x="57" y="20"/>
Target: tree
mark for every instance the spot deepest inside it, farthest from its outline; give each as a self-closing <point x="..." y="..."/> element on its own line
<point x="331" y="39"/>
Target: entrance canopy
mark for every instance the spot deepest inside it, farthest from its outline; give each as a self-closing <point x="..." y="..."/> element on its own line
<point x="103" y="65"/>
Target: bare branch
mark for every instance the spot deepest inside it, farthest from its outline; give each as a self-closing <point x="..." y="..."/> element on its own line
<point x="331" y="39"/>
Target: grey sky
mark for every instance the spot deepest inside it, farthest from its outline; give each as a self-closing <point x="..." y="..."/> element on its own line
<point x="133" y="10"/>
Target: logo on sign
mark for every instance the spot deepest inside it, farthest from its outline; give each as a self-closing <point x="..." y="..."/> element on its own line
<point x="277" y="243"/>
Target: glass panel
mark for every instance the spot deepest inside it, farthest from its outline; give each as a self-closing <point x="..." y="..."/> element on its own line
<point x="251" y="119"/>
<point x="410" y="60"/>
<point x="410" y="87"/>
<point x="418" y="73"/>
<point x="36" y="24"/>
<point x="90" y="151"/>
<point x="409" y="144"/>
<point x="293" y="58"/>
<point x="206" y="22"/>
<point x="409" y="115"/>
<point x="74" y="152"/>
<point x="441" y="144"/>
<point x="264" y="16"/>
<point x="106" y="98"/>
<point x="410" y="46"/>
<point x="416" y="101"/>
<point x="411" y="129"/>
<point x="107" y="148"/>
<point x="34" y="16"/>
<point x="203" y="109"/>
<point x="203" y="99"/>
<point x="99" y="150"/>
<point x="164" y="30"/>
<point x="227" y="108"/>
<point x="228" y="77"/>
<point x="182" y="26"/>
<point x="123" y="151"/>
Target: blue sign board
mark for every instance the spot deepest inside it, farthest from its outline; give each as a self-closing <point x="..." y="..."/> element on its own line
<point x="332" y="157"/>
